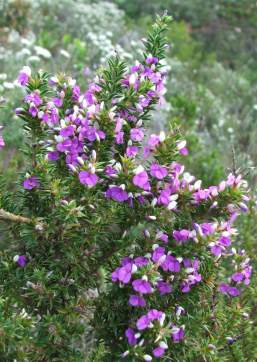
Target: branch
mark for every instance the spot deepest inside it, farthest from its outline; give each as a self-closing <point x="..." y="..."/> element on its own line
<point x="5" y="215"/>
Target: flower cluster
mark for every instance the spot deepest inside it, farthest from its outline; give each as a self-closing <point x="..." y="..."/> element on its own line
<point x="162" y="271"/>
<point x="99" y="136"/>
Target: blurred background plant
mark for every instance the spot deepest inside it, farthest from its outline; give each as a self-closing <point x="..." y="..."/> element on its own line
<point x="211" y="88"/>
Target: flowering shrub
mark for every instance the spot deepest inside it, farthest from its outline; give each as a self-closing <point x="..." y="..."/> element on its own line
<point x="99" y="196"/>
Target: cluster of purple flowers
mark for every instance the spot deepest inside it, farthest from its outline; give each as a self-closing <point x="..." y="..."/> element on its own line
<point x="77" y="134"/>
<point x="73" y="121"/>
<point x="158" y="271"/>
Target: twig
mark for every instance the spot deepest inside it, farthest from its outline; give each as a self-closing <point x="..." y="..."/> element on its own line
<point x="5" y="215"/>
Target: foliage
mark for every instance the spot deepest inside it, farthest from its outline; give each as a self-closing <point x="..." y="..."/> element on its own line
<point x="98" y="196"/>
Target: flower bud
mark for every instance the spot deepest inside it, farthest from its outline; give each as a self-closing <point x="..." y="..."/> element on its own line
<point x="147" y="357"/>
<point x="163" y="345"/>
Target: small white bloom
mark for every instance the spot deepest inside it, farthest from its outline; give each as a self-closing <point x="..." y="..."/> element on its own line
<point x="80" y="160"/>
<point x="152" y="217"/>
<point x="43" y="52"/>
<point x="134" y="268"/>
<point x="65" y="53"/>
<point x="163" y="345"/>
<point x="181" y="144"/>
<point x="172" y="205"/>
<point x="133" y="78"/>
<point x="197" y="184"/>
<point x="139" y="169"/>
<point x="147" y="357"/>
<point x="162" y="136"/>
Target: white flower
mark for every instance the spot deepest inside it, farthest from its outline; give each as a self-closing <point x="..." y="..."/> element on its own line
<point x="8" y="85"/>
<point x="147" y="357"/>
<point x="163" y="345"/>
<point x="181" y="144"/>
<point x="139" y="169"/>
<point x="172" y="205"/>
<point x="162" y="136"/>
<point x="65" y="53"/>
<point x="3" y="76"/>
<point x="43" y="52"/>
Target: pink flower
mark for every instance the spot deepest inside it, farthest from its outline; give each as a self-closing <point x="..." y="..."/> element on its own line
<point x="117" y="193"/>
<point x="87" y="178"/>
<point x="20" y="259"/>
<point x="132" y="151"/>
<point x="141" y="180"/>
<point x="158" y="352"/>
<point x="31" y="183"/>
<point x="158" y="171"/>
<point x="136" y="134"/>
<point x="2" y="144"/>
<point x="24" y="75"/>
<point x="130" y="334"/>
<point x="137" y="301"/>
<point x="142" y="286"/>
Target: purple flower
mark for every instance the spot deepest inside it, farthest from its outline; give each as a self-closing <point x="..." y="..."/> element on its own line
<point x="158" y="171"/>
<point x="130" y="334"/>
<point x="181" y="235"/>
<point x="2" y="144"/>
<point x="164" y="197"/>
<point x="122" y="274"/>
<point x="141" y="261"/>
<point x="163" y="237"/>
<point x="201" y="195"/>
<point x="183" y="151"/>
<point x="154" y="314"/>
<point x="216" y="250"/>
<point x="158" y="352"/>
<point x="75" y="92"/>
<point x="117" y="193"/>
<point x="87" y="178"/>
<point x="119" y="138"/>
<point x="224" y="241"/>
<point x="158" y="253"/>
<point x="110" y="171"/>
<point x="237" y="277"/>
<point x="208" y="228"/>
<point x="20" y="259"/>
<point x="33" y="111"/>
<point x="136" y="134"/>
<point x="143" y="323"/>
<point x="34" y="98"/>
<point x="132" y="151"/>
<point x="64" y="145"/>
<point x="54" y="117"/>
<point x="151" y="60"/>
<point x="227" y="289"/>
<point x="141" y="180"/>
<point x="171" y="264"/>
<point x="137" y="301"/>
<point x="153" y="141"/>
<point x="177" y="334"/>
<point x="31" y="183"/>
<point x="57" y="102"/>
<point x="24" y="75"/>
<point x="142" y="286"/>
<point x="53" y="156"/>
<point x="164" y="287"/>
<point x="67" y="131"/>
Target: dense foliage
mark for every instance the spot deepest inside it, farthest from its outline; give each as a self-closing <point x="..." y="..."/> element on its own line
<point x="110" y="249"/>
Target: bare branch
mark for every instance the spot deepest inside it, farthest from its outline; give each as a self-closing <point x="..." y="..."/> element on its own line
<point x="5" y="215"/>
